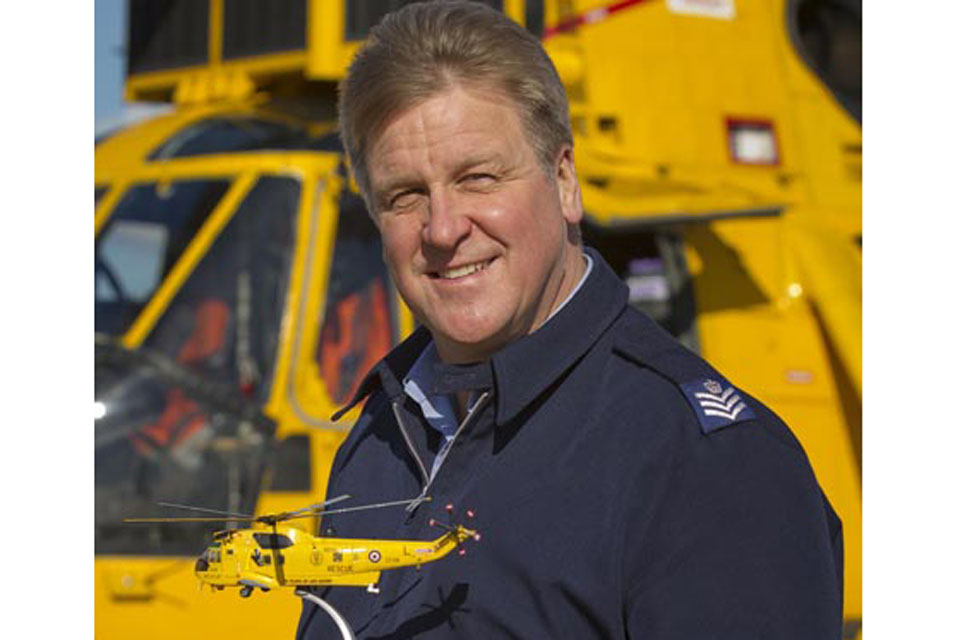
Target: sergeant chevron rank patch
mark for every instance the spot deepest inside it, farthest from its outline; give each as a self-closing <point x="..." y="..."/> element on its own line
<point x="716" y="402"/>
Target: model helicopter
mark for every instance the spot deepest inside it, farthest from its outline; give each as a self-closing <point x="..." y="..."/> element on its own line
<point x="268" y="555"/>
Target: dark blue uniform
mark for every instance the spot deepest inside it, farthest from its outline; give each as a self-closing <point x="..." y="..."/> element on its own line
<point x="623" y="489"/>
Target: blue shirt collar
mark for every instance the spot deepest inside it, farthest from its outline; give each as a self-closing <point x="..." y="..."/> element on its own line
<point x="437" y="408"/>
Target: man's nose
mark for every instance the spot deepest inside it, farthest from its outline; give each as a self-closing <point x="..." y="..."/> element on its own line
<point x="447" y="222"/>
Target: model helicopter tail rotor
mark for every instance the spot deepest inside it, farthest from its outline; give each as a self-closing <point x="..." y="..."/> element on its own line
<point x="457" y="531"/>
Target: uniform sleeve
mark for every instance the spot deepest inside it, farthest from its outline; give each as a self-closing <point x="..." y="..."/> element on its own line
<point x="738" y="542"/>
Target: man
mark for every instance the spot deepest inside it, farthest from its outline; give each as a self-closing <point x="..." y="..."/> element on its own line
<point x="624" y="489"/>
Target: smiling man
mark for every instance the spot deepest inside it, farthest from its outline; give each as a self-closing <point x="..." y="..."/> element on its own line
<point x="623" y="487"/>
<point x="479" y="237"/>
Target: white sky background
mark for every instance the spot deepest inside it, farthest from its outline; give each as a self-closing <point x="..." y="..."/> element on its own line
<point x="911" y="342"/>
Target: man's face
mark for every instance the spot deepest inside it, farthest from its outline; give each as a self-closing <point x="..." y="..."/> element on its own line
<point x="477" y="236"/>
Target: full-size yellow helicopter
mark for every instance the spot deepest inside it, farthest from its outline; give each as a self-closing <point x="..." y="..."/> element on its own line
<point x="267" y="555"/>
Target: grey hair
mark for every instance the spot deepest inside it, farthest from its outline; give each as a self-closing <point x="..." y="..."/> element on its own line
<point x="425" y="48"/>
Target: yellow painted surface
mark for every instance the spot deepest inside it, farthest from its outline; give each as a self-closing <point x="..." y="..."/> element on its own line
<point x="175" y="605"/>
<point x="778" y="298"/>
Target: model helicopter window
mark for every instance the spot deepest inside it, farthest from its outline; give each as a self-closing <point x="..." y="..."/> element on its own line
<point x="189" y="430"/>
<point x="226" y="135"/>
<point x="145" y="235"/>
<point x="212" y="554"/>
<point x="273" y="540"/>
<point x="364" y="14"/>
<point x="358" y="324"/>
<point x="828" y="34"/>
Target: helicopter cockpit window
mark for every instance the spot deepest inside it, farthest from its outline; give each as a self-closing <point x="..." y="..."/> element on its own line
<point x="225" y="321"/>
<point x="180" y="420"/>
<point x="358" y="324"/>
<point x="828" y="35"/>
<point x="272" y="540"/>
<point x="145" y="235"/>
<point x="230" y="135"/>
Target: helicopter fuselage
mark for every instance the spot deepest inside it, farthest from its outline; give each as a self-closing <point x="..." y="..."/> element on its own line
<point x="267" y="557"/>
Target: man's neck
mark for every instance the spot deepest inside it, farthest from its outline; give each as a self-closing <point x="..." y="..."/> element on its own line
<point x="572" y="277"/>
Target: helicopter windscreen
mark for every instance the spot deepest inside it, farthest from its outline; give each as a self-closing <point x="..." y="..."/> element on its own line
<point x="179" y="418"/>
<point x="145" y="235"/>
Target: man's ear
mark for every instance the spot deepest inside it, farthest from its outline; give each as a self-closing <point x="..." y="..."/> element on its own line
<point x="568" y="188"/>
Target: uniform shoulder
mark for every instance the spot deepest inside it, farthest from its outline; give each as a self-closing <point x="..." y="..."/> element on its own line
<point x="710" y="399"/>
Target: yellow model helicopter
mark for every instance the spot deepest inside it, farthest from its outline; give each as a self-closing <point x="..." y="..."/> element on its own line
<point x="267" y="555"/>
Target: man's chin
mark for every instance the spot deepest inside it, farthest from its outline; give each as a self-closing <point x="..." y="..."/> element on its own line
<point x="466" y="344"/>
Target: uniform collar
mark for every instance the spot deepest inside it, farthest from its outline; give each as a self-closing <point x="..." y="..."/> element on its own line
<point x="526" y="367"/>
<point x="388" y="373"/>
<point x="523" y="369"/>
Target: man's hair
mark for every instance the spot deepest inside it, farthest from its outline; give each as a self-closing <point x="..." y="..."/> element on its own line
<point x="426" y="48"/>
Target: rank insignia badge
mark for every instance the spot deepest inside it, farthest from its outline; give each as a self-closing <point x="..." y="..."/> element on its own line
<point x="716" y="402"/>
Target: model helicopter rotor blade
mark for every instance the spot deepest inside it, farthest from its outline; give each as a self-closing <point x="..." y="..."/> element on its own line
<point x="313" y="508"/>
<point x="226" y="514"/>
<point x="273" y="519"/>
<point x="221" y="519"/>
<point x="379" y="505"/>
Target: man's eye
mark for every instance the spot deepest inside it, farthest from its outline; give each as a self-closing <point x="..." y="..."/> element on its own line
<point x="479" y="179"/>
<point x="404" y="199"/>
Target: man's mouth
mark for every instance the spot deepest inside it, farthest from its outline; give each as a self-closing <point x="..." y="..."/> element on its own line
<point x="462" y="271"/>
